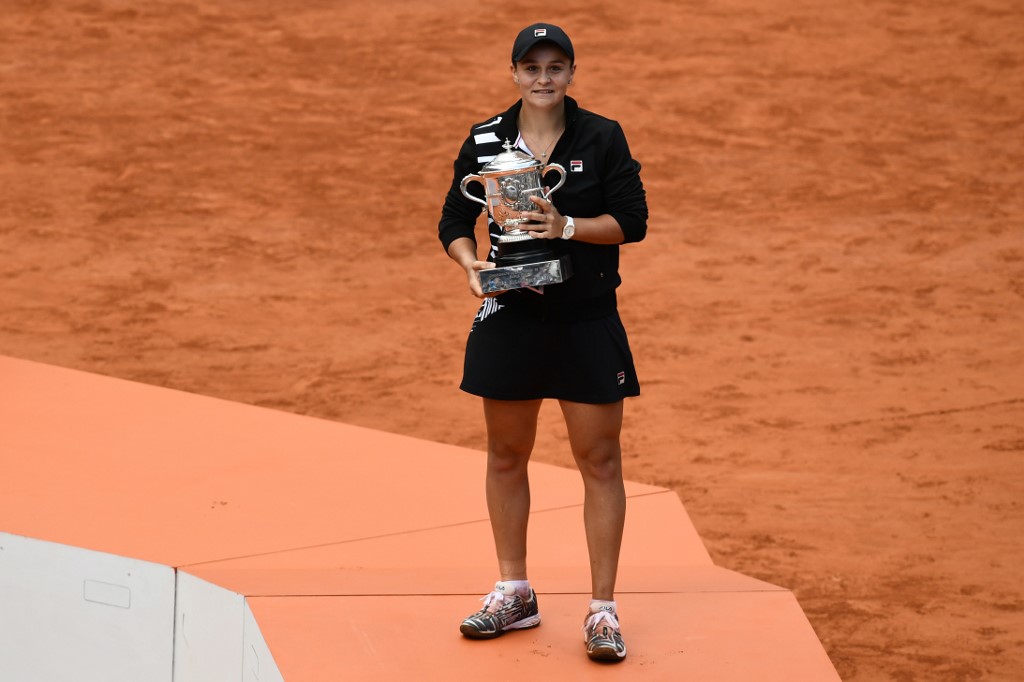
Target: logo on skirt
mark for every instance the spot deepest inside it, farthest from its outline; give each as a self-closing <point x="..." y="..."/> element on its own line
<point x="621" y="376"/>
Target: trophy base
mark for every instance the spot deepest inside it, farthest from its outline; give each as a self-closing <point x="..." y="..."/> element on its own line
<point x="522" y="249"/>
<point x="511" y="277"/>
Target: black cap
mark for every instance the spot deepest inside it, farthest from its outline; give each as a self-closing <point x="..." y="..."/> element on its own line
<point x="538" y="33"/>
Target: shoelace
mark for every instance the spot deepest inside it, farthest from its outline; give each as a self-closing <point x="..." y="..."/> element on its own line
<point x="494" y="598"/>
<point x="595" y="619"/>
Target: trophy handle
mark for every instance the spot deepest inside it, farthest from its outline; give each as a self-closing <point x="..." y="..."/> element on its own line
<point x="468" y="179"/>
<point x="561" y="177"/>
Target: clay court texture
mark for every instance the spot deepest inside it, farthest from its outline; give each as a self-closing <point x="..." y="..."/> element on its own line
<point x="240" y="199"/>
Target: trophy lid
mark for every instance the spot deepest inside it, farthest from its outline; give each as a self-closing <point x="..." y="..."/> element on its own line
<point x="510" y="160"/>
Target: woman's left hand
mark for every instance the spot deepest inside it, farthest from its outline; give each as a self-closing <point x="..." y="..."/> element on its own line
<point x="547" y="223"/>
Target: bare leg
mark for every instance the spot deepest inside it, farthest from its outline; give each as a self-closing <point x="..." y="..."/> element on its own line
<point x="594" y="437"/>
<point x="511" y="432"/>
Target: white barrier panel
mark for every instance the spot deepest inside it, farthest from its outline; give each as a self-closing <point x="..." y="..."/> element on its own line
<point x="259" y="664"/>
<point x="73" y="614"/>
<point x="208" y="632"/>
<point x="216" y="637"/>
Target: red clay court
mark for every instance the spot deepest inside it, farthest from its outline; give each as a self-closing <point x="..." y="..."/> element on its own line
<point x="239" y="200"/>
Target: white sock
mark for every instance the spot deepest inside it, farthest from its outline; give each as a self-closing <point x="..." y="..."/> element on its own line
<point x="519" y="587"/>
<point x="597" y="605"/>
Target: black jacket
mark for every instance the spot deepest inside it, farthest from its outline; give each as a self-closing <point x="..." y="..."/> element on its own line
<point x="601" y="177"/>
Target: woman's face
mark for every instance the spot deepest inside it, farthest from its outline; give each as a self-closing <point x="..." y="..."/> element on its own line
<point x="543" y="75"/>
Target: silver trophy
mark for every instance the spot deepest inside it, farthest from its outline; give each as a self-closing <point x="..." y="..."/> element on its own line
<point x="509" y="180"/>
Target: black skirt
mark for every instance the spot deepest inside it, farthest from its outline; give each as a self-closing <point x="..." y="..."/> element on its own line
<point x="525" y="353"/>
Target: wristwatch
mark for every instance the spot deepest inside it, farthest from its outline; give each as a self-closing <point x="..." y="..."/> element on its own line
<point x="570" y="228"/>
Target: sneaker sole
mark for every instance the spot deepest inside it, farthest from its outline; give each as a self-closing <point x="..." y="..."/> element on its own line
<point x="524" y="624"/>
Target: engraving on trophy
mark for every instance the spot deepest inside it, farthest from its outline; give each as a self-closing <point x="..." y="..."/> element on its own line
<point x="510" y="190"/>
<point x="516" y="190"/>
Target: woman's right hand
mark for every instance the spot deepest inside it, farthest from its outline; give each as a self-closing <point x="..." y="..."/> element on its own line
<point x="473" y="273"/>
<point x="463" y="252"/>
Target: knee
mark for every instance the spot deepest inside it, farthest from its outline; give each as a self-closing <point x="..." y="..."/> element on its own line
<point x="507" y="458"/>
<point x="602" y="463"/>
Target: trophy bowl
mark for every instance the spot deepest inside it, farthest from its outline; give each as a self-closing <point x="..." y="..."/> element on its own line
<point x="510" y="179"/>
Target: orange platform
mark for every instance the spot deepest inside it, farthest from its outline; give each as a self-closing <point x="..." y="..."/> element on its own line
<point x="357" y="551"/>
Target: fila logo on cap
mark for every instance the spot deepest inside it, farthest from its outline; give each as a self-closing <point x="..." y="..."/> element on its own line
<point x="539" y="32"/>
<point x="576" y="166"/>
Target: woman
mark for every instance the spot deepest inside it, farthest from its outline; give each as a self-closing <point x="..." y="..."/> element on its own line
<point x="565" y="341"/>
